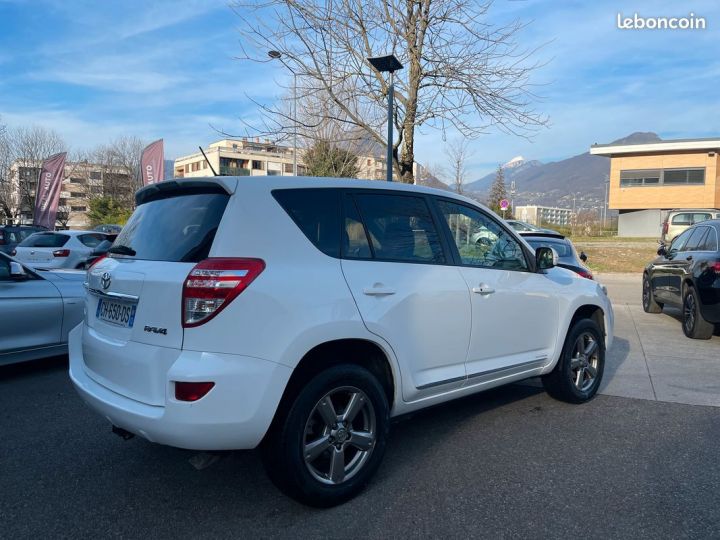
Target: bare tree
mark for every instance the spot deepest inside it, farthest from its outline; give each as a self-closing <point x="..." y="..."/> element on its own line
<point x="120" y="164"/>
<point x="460" y="70"/>
<point x="457" y="152"/>
<point x="26" y="147"/>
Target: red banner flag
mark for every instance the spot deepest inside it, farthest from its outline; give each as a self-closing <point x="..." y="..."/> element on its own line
<point x="152" y="163"/>
<point x="47" y="196"/>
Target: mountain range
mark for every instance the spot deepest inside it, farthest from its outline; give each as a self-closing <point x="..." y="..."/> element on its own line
<point x="558" y="183"/>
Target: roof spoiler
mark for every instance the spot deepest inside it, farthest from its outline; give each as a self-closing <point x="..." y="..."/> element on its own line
<point x="171" y="188"/>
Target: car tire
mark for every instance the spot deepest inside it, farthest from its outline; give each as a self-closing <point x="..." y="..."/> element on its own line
<point x="314" y="454"/>
<point x="578" y="373"/>
<point x="693" y="324"/>
<point x="650" y="305"/>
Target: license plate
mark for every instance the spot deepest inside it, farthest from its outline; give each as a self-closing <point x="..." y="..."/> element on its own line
<point x="118" y="313"/>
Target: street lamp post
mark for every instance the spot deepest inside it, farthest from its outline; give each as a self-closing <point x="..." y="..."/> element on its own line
<point x="389" y="64"/>
<point x="277" y="55"/>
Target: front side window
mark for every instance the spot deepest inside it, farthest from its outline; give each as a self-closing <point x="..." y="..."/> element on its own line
<point x="480" y="240"/>
<point x="679" y="242"/>
<point x="400" y="228"/>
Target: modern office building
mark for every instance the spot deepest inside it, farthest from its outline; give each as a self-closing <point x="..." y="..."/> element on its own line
<point x="649" y="179"/>
<point x="543" y="215"/>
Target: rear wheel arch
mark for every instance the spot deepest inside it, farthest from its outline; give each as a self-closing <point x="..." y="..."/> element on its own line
<point x="361" y="352"/>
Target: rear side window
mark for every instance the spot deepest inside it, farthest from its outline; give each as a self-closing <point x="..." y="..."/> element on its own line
<point x="91" y="240"/>
<point x="178" y="228"/>
<point x="316" y="212"/>
<point x="710" y="243"/>
<point x="400" y="228"/>
<point x="47" y="240"/>
<point x="696" y="239"/>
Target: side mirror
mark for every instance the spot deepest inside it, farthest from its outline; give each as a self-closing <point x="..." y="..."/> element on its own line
<point x="17" y="271"/>
<point x="545" y="258"/>
<point x="662" y="250"/>
<point x="583" y="257"/>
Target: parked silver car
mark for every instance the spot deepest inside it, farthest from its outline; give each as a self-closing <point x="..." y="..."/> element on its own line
<point x="37" y="310"/>
<point x="59" y="249"/>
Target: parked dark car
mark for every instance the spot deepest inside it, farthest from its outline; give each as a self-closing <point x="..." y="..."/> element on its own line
<point x="12" y="235"/>
<point x="567" y="255"/>
<point x="687" y="275"/>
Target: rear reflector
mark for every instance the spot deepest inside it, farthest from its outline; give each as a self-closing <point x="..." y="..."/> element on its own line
<point x="585" y="274"/>
<point x="213" y="284"/>
<point x="61" y="253"/>
<point x="192" y="391"/>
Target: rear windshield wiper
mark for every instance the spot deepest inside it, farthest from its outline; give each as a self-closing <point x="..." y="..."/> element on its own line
<point x="122" y="250"/>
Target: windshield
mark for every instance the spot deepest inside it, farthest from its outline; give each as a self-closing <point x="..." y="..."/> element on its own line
<point x="180" y="228"/>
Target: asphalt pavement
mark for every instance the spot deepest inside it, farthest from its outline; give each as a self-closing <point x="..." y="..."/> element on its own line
<point x="510" y="463"/>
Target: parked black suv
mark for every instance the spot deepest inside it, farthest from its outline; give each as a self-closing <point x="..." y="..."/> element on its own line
<point x="687" y="275"/>
<point x="12" y="235"/>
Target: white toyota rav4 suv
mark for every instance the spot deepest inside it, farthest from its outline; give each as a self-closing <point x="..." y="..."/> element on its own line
<point x="300" y="314"/>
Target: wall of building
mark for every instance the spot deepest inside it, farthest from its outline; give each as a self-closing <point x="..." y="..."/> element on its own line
<point x="640" y="223"/>
<point x="658" y="197"/>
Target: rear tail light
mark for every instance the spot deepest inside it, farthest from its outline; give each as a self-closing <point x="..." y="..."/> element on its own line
<point x="665" y="228"/>
<point x="716" y="267"/>
<point x="585" y="274"/>
<point x="61" y="253"/>
<point x="100" y="258"/>
<point x="192" y="391"/>
<point x="213" y="284"/>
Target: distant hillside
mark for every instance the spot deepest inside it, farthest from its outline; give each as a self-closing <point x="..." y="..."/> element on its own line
<point x="556" y="183"/>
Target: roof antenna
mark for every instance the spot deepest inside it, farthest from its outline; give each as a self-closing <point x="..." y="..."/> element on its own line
<point x="208" y="161"/>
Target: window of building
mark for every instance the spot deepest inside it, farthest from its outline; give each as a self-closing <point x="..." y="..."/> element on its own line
<point x="655" y="177"/>
<point x="204" y="164"/>
<point x="288" y="168"/>
<point x="77" y="180"/>
<point x="95" y="175"/>
<point x="78" y="208"/>
<point x="257" y="165"/>
<point x="63" y="202"/>
<point x="76" y="194"/>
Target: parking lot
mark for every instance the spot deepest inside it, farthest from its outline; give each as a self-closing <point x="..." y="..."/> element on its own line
<point x="638" y="461"/>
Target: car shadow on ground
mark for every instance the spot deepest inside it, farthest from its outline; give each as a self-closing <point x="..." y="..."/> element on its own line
<point x="677" y="314"/>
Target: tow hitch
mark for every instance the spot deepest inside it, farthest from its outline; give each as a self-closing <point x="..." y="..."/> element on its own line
<point x="124" y="433"/>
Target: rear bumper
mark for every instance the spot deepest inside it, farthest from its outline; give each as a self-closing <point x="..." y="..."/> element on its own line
<point x="235" y="414"/>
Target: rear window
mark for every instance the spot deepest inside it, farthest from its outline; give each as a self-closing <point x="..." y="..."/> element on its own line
<point x="47" y="240"/>
<point x="178" y="228"/>
<point x="91" y="240"/>
<point x="562" y="249"/>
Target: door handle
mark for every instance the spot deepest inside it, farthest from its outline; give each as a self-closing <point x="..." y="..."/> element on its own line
<point x="483" y="289"/>
<point x="378" y="290"/>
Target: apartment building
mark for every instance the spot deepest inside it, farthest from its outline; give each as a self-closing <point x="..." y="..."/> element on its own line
<point x="253" y="157"/>
<point x="539" y="215"/>
<point x="649" y="179"/>
<point x="82" y="181"/>
<point x="243" y="157"/>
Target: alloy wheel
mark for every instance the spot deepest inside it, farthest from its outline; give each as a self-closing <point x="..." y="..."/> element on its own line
<point x="689" y="309"/>
<point x="584" y="362"/>
<point x="646" y="293"/>
<point x="339" y="435"/>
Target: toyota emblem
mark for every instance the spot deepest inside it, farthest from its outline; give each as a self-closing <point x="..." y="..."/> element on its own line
<point x="105" y="280"/>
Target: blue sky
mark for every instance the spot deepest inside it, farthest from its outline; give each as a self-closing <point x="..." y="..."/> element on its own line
<point x="93" y="70"/>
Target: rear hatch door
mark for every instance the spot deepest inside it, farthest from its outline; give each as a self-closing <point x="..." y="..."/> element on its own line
<point x="134" y="304"/>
